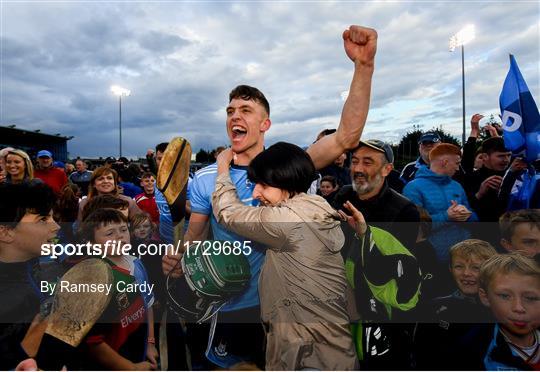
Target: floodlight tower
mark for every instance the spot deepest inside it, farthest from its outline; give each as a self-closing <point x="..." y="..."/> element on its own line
<point x="465" y="35"/>
<point x="119" y="91"/>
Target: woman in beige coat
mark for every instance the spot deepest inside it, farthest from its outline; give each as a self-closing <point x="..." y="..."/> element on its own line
<point x="302" y="283"/>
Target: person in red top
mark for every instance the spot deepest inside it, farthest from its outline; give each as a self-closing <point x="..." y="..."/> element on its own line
<point x="146" y="200"/>
<point x="54" y="177"/>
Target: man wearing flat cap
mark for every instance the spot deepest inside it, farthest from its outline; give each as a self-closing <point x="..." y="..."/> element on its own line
<point x="380" y="259"/>
<point x="371" y="163"/>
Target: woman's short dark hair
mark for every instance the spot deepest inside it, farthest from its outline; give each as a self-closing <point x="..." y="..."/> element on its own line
<point x="285" y="166"/>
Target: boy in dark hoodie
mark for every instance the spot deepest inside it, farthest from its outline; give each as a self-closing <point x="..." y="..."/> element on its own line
<point x="32" y="324"/>
<point x="446" y="320"/>
<point x="26" y="223"/>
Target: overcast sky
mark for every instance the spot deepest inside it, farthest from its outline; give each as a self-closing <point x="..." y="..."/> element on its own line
<point x="181" y="59"/>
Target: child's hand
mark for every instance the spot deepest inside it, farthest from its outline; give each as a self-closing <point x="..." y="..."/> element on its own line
<point x="143" y="366"/>
<point x="152" y="354"/>
<point x="224" y="160"/>
<point x="357" y="220"/>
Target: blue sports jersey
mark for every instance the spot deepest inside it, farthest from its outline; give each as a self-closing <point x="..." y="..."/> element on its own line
<point x="201" y="190"/>
<point x="188" y="195"/>
<point x="166" y="228"/>
<point x="141" y="277"/>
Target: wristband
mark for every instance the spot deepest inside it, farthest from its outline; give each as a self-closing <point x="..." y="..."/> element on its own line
<point x="151" y="340"/>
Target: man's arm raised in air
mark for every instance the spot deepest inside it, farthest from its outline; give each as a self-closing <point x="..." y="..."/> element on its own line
<point x="360" y="46"/>
<point x="197" y="230"/>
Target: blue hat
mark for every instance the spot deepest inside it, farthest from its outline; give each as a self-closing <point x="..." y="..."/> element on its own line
<point x="44" y="154"/>
<point x="429" y="137"/>
<point x="59" y="164"/>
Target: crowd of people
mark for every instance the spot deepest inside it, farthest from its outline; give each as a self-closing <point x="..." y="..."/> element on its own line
<point x="352" y="264"/>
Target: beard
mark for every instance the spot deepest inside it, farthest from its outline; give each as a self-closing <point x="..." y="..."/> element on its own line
<point x="368" y="185"/>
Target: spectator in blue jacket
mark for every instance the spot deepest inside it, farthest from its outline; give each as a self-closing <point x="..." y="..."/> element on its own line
<point x="434" y="190"/>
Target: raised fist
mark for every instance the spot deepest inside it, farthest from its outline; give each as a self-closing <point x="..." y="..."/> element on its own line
<point x="475" y="124"/>
<point x="360" y="44"/>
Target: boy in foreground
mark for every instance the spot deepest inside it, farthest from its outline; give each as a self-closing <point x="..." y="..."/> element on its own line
<point x="510" y="286"/>
<point x="26" y="223"/>
<point x="31" y="324"/>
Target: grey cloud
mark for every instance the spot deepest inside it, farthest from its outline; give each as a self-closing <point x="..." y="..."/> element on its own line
<point x="161" y="43"/>
<point x="181" y="59"/>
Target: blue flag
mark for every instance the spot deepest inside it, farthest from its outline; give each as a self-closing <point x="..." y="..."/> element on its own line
<point x="520" y="117"/>
<point x="525" y="192"/>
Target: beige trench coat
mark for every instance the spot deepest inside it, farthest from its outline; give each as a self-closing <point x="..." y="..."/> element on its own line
<point x="302" y="284"/>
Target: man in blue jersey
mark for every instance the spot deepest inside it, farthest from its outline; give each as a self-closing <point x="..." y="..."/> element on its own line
<point x="238" y="336"/>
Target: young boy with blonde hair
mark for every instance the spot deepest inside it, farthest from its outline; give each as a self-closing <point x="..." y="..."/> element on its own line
<point x="466" y="259"/>
<point x="510" y="286"/>
<point x="448" y="319"/>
